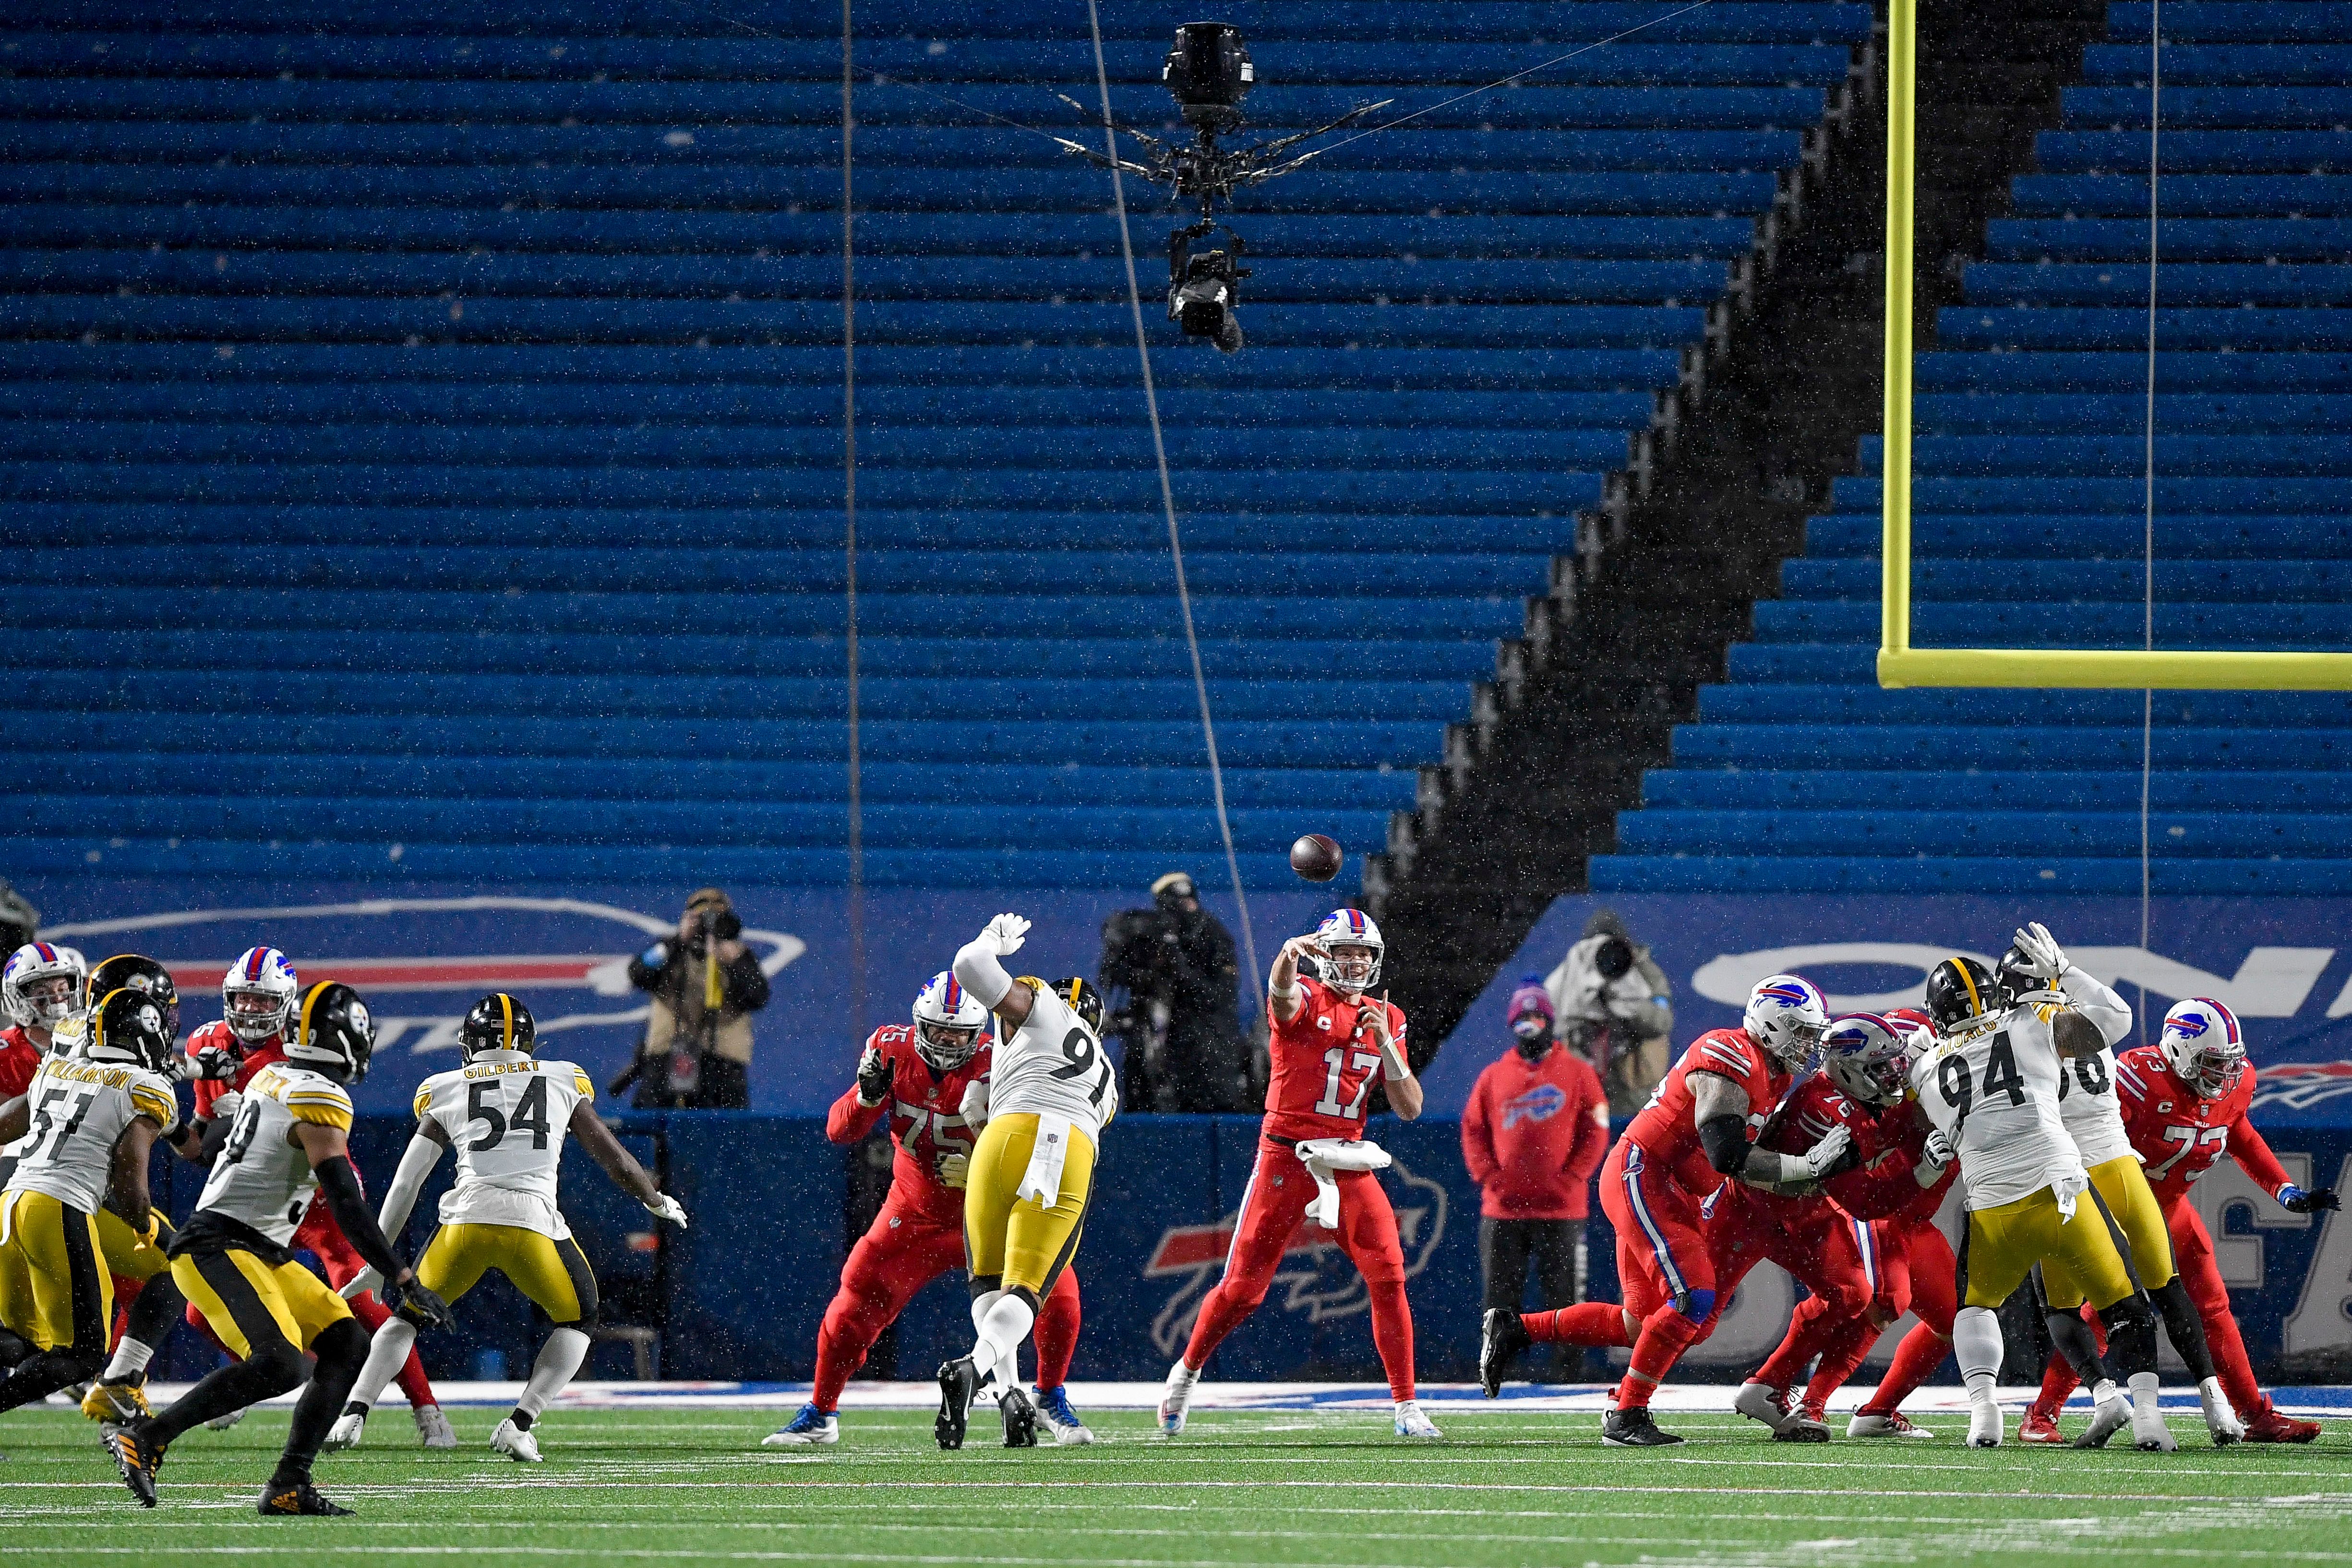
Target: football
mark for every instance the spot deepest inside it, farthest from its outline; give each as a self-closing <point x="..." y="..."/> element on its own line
<point x="1316" y="857"/>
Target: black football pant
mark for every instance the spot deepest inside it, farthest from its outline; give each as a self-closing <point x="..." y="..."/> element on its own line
<point x="1554" y="1247"/>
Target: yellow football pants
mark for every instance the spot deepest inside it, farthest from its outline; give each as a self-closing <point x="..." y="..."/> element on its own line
<point x="2124" y="1188"/>
<point x="554" y="1274"/>
<point x="2003" y="1244"/>
<point x="53" y="1290"/>
<point x="1023" y="1243"/>
<point x="253" y="1304"/>
<point x="126" y="1252"/>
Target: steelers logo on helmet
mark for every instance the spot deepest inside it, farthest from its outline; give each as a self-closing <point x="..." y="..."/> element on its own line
<point x="259" y="993"/>
<point x="127" y="1026"/>
<point x="1867" y="1057"/>
<point x="497" y="1022"/>
<point x="1354" y="948"/>
<point x="136" y="972"/>
<point x="949" y="1021"/>
<point x="1084" y="1000"/>
<point x="40" y="984"/>
<point x="1961" y="991"/>
<point x="331" y="1032"/>
<point x="1787" y="1016"/>
<point x="2205" y="1047"/>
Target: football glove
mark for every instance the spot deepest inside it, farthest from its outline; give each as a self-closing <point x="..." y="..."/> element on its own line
<point x="873" y="1077"/>
<point x="2295" y="1201"/>
<point x="661" y="1206"/>
<point x="1005" y="933"/>
<point x="1831" y="1154"/>
<point x="954" y="1169"/>
<point x="361" y="1283"/>
<point x="416" y="1306"/>
<point x="973" y="1107"/>
<point x="212" y="1063"/>
<point x="226" y="1107"/>
<point x="2044" y="959"/>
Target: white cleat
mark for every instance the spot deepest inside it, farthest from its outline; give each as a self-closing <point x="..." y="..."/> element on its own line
<point x="344" y="1434"/>
<point x="2109" y="1416"/>
<point x="2149" y="1433"/>
<point x="433" y="1428"/>
<point x="1053" y="1409"/>
<point x="223" y="1423"/>
<point x="1895" y="1426"/>
<point x="515" y="1443"/>
<point x="2220" y="1420"/>
<point x="1411" y="1423"/>
<point x="1984" y="1425"/>
<point x="1762" y="1401"/>
<point x="1176" y="1397"/>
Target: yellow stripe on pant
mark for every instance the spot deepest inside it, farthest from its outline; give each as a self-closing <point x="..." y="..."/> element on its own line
<point x="2124" y="1186"/>
<point x="1025" y="1243"/>
<point x="2005" y="1243"/>
<point x="39" y="1237"/>
<point x="459" y="1255"/>
<point x="248" y="1303"/>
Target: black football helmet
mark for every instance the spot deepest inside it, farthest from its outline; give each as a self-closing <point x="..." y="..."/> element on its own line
<point x="1084" y="1000"/>
<point x="332" y="1033"/>
<point x="497" y="1022"/>
<point x="136" y="972"/>
<point x="1961" y="991"/>
<point x="2011" y="984"/>
<point x="128" y="1026"/>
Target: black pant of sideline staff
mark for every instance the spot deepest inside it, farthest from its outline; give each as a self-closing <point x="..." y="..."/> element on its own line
<point x="1505" y="1249"/>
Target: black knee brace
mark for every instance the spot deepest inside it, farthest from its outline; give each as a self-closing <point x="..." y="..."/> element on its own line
<point x="2131" y="1335"/>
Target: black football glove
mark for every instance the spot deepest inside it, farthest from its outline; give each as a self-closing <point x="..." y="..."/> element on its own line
<point x="2295" y="1201"/>
<point x="874" y="1077"/>
<point x="421" y="1309"/>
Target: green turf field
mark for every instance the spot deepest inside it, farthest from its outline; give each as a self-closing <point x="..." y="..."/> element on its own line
<point x="1507" y="1489"/>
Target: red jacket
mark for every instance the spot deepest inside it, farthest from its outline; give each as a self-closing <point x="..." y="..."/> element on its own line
<point x="1533" y="1134"/>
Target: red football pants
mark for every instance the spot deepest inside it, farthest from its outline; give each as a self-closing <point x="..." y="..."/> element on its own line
<point x="1273" y="1205"/>
<point x="2201" y="1273"/>
<point x="1909" y="1267"/>
<point x="1830" y="1254"/>
<point x="1662" y="1256"/>
<point x="902" y="1251"/>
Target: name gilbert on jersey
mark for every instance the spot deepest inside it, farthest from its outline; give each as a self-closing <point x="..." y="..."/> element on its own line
<point x="499" y="1069"/>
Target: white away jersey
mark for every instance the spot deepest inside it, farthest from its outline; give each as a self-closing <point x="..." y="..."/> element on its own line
<point x="506" y="1113"/>
<point x="2087" y="1086"/>
<point x="263" y="1179"/>
<point x="1993" y="1092"/>
<point x="81" y="1109"/>
<point x="1055" y="1066"/>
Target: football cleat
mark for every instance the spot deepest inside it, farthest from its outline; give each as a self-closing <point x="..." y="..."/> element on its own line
<point x="1411" y="1423"/>
<point x="959" y="1381"/>
<point x="2220" y="1421"/>
<point x="2108" y="1418"/>
<point x="1176" y="1397"/>
<point x="2149" y="1433"/>
<point x="349" y="1429"/>
<point x="135" y="1454"/>
<point x="1053" y="1409"/>
<point x="1762" y="1401"/>
<point x="810" y="1427"/>
<point x="433" y="1428"/>
<point x="516" y="1444"/>
<point x="1802" y="1427"/>
<point x="1984" y="1425"/>
<point x="1634" y="1428"/>
<point x="2040" y="1427"/>
<point x="1500" y="1341"/>
<point x="115" y="1402"/>
<point x="1020" y="1418"/>
<point x="223" y="1423"/>
<point x="1894" y="1424"/>
<point x="2273" y="1427"/>
<point x="288" y="1502"/>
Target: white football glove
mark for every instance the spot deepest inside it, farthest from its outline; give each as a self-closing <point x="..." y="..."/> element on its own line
<point x="1935" y="1159"/>
<point x="366" y="1280"/>
<point x="2044" y="959"/>
<point x="226" y="1106"/>
<point x="212" y="1063"/>
<point x="1828" y="1152"/>
<point x="1005" y="933"/>
<point x="954" y="1169"/>
<point x="974" y="1106"/>
<point x="661" y="1206"/>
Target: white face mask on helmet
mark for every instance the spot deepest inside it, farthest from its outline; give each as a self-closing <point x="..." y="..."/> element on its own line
<point x="41" y="984"/>
<point x="948" y="1022"/>
<point x="1787" y="1017"/>
<point x="257" y="994"/>
<point x="1355" y="951"/>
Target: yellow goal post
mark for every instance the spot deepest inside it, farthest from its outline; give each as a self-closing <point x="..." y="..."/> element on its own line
<point x="1900" y="664"/>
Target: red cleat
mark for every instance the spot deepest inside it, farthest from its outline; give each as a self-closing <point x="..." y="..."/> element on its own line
<point x="2038" y="1427"/>
<point x="2274" y="1427"/>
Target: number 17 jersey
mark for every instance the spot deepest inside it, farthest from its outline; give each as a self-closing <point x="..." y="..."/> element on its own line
<point x="1324" y="1062"/>
<point x="1993" y="1093"/>
<point x="506" y="1113"/>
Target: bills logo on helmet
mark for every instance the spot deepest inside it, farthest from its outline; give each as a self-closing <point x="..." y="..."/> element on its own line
<point x="1315" y="1276"/>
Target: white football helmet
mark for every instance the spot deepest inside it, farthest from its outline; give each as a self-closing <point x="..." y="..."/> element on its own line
<point x="257" y="994"/>
<point x="2206" y="1047"/>
<point x="1787" y="1017"/>
<point x="1867" y="1057"/>
<point x="41" y="984"/>
<point x="949" y="1020"/>
<point x="1350" y="932"/>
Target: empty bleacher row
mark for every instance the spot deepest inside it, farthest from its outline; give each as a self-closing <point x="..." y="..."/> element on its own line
<point x="466" y="385"/>
<point x="2031" y="526"/>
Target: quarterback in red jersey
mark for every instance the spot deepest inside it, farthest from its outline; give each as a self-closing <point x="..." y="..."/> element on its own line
<point x="2185" y="1101"/>
<point x="1699" y="1128"/>
<point x="1330" y="1041"/>
<point x="919" y="1075"/>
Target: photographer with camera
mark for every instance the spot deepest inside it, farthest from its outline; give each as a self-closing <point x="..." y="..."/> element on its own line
<point x="1172" y="971"/>
<point x="1615" y="1009"/>
<point x="704" y="985"/>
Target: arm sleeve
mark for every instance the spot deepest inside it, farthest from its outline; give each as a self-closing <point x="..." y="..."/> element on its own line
<point x="340" y="1185"/>
<point x="1478" y="1142"/>
<point x="1591" y="1133"/>
<point x="2095" y="1000"/>
<point x="416" y="1162"/>
<point x="2252" y="1153"/>
<point x="747" y="983"/>
<point x="979" y="972"/>
<point x="848" y="1122"/>
<point x="1724" y="1139"/>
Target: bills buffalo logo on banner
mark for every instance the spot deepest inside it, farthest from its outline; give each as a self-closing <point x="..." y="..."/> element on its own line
<point x="2299" y="1085"/>
<point x="1313" y="1277"/>
<point x="430" y="957"/>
